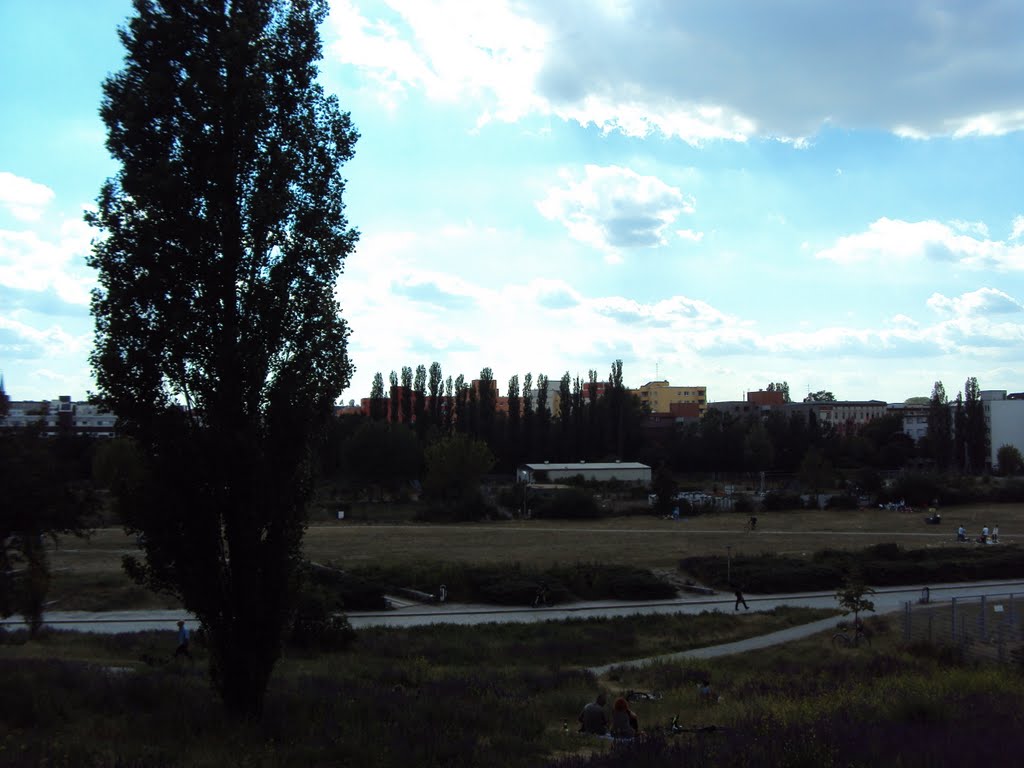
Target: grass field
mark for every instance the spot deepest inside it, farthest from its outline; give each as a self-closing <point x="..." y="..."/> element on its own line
<point x="88" y="576"/>
<point x="508" y="696"/>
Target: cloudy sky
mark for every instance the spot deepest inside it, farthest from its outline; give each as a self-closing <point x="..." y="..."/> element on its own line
<point x="717" y="192"/>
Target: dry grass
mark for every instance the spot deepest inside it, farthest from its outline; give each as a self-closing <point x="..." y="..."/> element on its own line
<point x="647" y="541"/>
<point x="88" y="572"/>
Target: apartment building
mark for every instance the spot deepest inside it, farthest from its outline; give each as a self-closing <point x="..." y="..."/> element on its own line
<point x="60" y="416"/>
<point x="1004" y="418"/>
<point x="660" y="396"/>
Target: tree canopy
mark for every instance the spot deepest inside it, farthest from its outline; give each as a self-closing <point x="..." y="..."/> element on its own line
<point x="218" y="338"/>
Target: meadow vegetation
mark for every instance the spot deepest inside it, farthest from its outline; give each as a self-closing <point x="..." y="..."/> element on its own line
<point x="502" y="695"/>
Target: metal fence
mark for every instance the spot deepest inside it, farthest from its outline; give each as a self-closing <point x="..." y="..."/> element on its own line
<point x="985" y="627"/>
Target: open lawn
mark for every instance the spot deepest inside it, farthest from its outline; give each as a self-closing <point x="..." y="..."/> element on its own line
<point x="88" y="576"/>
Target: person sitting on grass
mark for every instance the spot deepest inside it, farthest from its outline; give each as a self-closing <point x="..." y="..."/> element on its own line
<point x="593" y="718"/>
<point x="625" y="724"/>
<point x="705" y="695"/>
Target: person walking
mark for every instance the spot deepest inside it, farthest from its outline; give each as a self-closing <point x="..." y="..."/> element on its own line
<point x="183" y="642"/>
<point x="739" y="598"/>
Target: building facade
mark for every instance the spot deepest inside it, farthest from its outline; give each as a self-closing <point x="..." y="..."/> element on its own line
<point x="1004" y="419"/>
<point x="60" y="416"/>
<point x="660" y="396"/>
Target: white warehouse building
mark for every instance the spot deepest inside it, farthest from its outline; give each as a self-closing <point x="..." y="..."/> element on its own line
<point x="602" y="472"/>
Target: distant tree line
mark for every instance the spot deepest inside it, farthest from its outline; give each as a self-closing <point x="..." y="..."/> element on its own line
<point x="603" y="421"/>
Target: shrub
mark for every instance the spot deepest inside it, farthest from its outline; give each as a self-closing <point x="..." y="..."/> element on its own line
<point x="841" y="501"/>
<point x="776" y="501"/>
<point x="468" y="508"/>
<point x="744" y="504"/>
<point x="568" y="504"/>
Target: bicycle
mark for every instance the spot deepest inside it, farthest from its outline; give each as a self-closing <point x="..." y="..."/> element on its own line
<point x="851" y="637"/>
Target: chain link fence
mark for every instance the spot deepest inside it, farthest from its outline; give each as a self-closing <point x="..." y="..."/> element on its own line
<point x="984" y="627"/>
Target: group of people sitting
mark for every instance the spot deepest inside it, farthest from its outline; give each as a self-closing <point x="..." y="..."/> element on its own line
<point x="623" y="723"/>
<point x="987" y="536"/>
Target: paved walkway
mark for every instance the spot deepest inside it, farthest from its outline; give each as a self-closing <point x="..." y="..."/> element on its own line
<point x="408" y="614"/>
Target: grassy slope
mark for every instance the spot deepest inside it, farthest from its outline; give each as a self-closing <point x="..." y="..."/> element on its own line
<point x="498" y="696"/>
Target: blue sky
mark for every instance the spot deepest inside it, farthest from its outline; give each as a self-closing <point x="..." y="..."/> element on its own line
<point x="719" y="193"/>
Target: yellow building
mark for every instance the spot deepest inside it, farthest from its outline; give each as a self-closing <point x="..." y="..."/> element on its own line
<point x="660" y="396"/>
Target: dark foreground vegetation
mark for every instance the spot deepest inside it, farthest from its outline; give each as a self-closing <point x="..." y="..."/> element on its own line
<point x="508" y="696"/>
<point x="882" y="565"/>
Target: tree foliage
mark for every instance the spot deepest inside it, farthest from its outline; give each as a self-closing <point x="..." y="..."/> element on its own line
<point x="454" y="466"/>
<point x="46" y="491"/>
<point x="1010" y="460"/>
<point x="854" y="598"/>
<point x="219" y="341"/>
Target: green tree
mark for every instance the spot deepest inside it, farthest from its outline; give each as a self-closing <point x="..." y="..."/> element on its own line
<point x="45" y="493"/>
<point x="393" y="396"/>
<point x="1009" y="460"/>
<point x="975" y="429"/>
<point x="940" y="427"/>
<point x="219" y="340"/>
<point x="455" y="465"/>
<point x="383" y="456"/>
<point x="780" y="386"/>
<point x="821" y="396"/>
<point x="419" y="406"/>
<point x="816" y="471"/>
<point x="378" y="402"/>
<point x="406" y="398"/>
<point x="513" y="421"/>
<point x="434" y="389"/>
<point x="854" y="597"/>
<point x="486" y="405"/>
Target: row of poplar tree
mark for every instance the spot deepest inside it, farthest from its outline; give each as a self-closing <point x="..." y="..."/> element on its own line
<point x="591" y="420"/>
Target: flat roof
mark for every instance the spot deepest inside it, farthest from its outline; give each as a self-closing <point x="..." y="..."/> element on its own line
<point x="589" y="465"/>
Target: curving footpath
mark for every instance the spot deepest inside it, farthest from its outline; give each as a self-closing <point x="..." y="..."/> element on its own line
<point x="886" y="599"/>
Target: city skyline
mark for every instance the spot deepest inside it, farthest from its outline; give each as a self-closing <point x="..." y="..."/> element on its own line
<point x="719" y="194"/>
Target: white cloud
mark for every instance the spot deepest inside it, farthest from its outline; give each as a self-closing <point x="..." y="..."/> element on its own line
<point x="30" y="263"/>
<point x="449" y="49"/>
<point x="892" y="241"/>
<point x="691" y="235"/>
<point x="1018" y="228"/>
<point x="613" y="207"/>
<point x="983" y="302"/>
<point x="699" y="71"/>
<point x="23" y="198"/>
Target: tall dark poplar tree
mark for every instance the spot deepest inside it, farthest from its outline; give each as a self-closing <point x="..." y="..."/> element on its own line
<point x="378" y="402"/>
<point x="406" y="398"/>
<point x="616" y="396"/>
<point x="419" y="405"/>
<point x="219" y="341"/>
<point x="528" y="417"/>
<point x="460" y="420"/>
<point x="940" y="427"/>
<point x="435" y="386"/>
<point x="565" y="418"/>
<point x="512" y="434"/>
<point x="487" y="406"/>
<point x="393" y="396"/>
<point x="579" y="427"/>
<point x="449" y="405"/>
<point x="959" y="434"/>
<point x="542" y="418"/>
<point x="976" y="446"/>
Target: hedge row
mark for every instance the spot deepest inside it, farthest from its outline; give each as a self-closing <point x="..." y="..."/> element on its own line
<point x="882" y="565"/>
